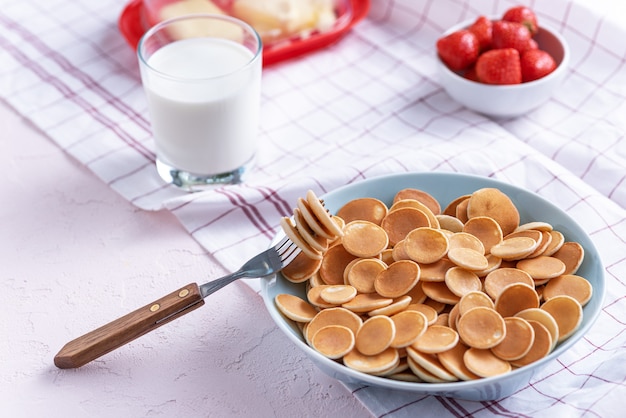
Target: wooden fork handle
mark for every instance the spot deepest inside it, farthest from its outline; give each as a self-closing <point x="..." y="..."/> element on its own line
<point x="113" y="335"/>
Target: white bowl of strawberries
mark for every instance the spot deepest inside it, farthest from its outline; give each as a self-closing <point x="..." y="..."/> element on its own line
<point x="504" y="66"/>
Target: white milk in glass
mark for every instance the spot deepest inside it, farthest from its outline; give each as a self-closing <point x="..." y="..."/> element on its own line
<point x="204" y="105"/>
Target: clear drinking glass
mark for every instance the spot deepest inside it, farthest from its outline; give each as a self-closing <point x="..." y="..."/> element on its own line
<point x="202" y="78"/>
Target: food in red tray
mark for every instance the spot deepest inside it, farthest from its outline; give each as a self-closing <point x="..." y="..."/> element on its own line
<point x="274" y="20"/>
<point x="501" y="51"/>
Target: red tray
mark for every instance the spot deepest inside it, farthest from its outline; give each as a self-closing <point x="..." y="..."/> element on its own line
<point x="131" y="25"/>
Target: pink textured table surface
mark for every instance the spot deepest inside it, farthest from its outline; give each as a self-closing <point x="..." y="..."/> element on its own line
<point x="73" y="248"/>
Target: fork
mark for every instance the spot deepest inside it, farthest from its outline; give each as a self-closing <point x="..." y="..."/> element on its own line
<point x="113" y="335"/>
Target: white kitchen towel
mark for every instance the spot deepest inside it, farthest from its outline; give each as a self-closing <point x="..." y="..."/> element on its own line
<point x="369" y="105"/>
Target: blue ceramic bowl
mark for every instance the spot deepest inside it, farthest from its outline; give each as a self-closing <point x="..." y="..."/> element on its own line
<point x="445" y="187"/>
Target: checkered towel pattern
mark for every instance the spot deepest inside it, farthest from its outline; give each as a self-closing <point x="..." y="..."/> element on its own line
<point x="366" y="106"/>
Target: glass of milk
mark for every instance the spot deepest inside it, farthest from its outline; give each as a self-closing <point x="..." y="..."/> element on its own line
<point x="202" y="78"/>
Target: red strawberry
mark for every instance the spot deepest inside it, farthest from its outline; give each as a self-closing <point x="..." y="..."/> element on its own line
<point x="499" y="66"/>
<point x="535" y="64"/>
<point x="470" y="74"/>
<point x="458" y="50"/>
<point x="510" y="35"/>
<point x="482" y="29"/>
<point x="532" y="44"/>
<point x="523" y="15"/>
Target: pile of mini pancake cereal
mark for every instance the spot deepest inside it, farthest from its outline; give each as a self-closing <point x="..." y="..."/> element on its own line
<point x="416" y="292"/>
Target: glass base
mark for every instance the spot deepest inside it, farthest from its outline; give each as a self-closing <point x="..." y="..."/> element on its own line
<point x="192" y="182"/>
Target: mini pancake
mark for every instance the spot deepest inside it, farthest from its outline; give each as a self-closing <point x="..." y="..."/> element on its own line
<point x="428" y="311"/>
<point x="340" y="224"/>
<point x="450" y="209"/>
<point x="529" y="233"/>
<point x="461" y="281"/>
<point x="334" y="263"/>
<point x="365" y="208"/>
<point x="364" y="239"/>
<point x="387" y="256"/>
<point x="397" y="279"/>
<point x="502" y="277"/>
<point x="461" y="210"/>
<point x="465" y="240"/>
<point x="453" y="317"/>
<point x="484" y="363"/>
<point x="312" y="221"/>
<point x="399" y="222"/>
<point x="375" y="335"/>
<point x="362" y="272"/>
<point x="567" y="312"/>
<point x="493" y="263"/>
<point x="546" y="239"/>
<point x="435" y="272"/>
<point x="401" y="367"/>
<point x="421" y="196"/>
<point x="545" y="318"/>
<point x="322" y="215"/>
<point x="314" y="296"/>
<point x="315" y="280"/>
<point x="333" y="341"/>
<point x="481" y="328"/>
<point x="452" y="360"/>
<point x="542" y="267"/>
<point x="572" y="255"/>
<point x="450" y="223"/>
<point x="493" y="203"/>
<point x="426" y="245"/>
<point x="410" y="325"/>
<point x="317" y="242"/>
<point x="348" y="267"/>
<point x="295" y="308"/>
<point x="555" y="244"/>
<point x="439" y="292"/>
<point x="515" y="298"/>
<point x="372" y="364"/>
<point x="518" y="341"/>
<point x="486" y="229"/>
<point x="301" y="269"/>
<point x="398" y="252"/>
<point x="290" y="230"/>
<point x="338" y="294"/>
<point x="422" y="374"/>
<point x="416" y="204"/>
<point x="472" y="300"/>
<point x="387" y="372"/>
<point x="571" y="285"/>
<point x="468" y="259"/>
<point x="333" y="316"/>
<point x="542" y="345"/>
<point x="365" y="302"/>
<point x="428" y="367"/>
<point x="435" y="304"/>
<point x="398" y="305"/>
<point x="436" y="339"/>
<point x="537" y="225"/>
<point x="514" y="248"/>
<point x="444" y="319"/>
<point x="417" y="293"/>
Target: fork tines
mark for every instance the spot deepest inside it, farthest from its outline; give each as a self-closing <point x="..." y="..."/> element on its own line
<point x="287" y="250"/>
